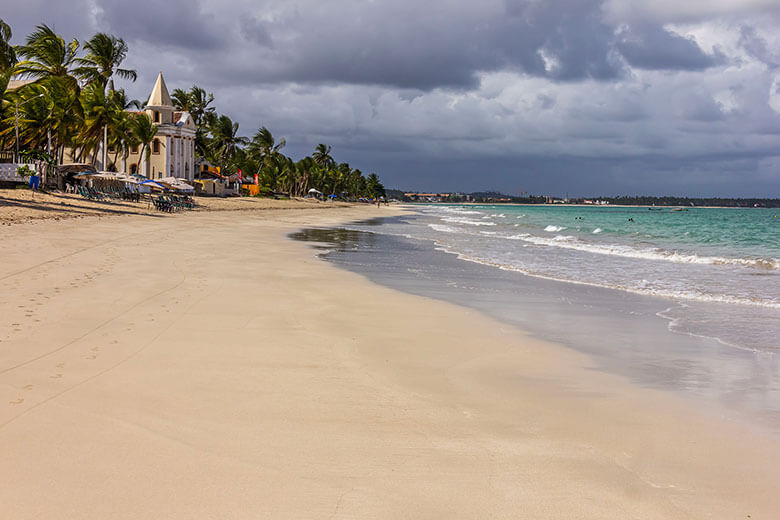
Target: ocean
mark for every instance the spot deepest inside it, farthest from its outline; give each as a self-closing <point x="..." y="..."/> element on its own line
<point x="687" y="301"/>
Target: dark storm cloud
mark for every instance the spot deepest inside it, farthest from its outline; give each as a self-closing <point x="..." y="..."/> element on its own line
<point x="655" y="48"/>
<point x="424" y="46"/>
<point x="180" y="24"/>
<point x="433" y="47"/>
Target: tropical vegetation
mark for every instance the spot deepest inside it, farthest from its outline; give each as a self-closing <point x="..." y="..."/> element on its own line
<point x="70" y="103"/>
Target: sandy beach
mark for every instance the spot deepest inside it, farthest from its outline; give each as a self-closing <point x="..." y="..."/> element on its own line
<point x="203" y="365"/>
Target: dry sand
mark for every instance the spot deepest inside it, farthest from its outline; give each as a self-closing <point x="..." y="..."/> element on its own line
<point x="203" y="366"/>
<point x="22" y="205"/>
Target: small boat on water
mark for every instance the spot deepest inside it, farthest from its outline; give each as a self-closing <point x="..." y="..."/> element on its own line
<point x="655" y="209"/>
<point x="679" y="209"/>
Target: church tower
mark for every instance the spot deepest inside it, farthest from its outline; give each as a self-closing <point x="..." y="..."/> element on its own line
<point x="160" y="107"/>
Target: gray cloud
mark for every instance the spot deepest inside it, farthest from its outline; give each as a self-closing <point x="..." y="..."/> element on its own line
<point x="180" y="24"/>
<point x="757" y="47"/>
<point x="584" y="96"/>
<point x="655" y="48"/>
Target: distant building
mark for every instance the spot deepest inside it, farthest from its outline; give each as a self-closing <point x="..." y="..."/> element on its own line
<point x="431" y="197"/>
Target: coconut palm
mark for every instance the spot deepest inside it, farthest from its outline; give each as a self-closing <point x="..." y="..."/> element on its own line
<point x="375" y="188"/>
<point x="144" y="132"/>
<point x="322" y="156"/>
<point x="263" y="143"/>
<point x="7" y="51"/>
<point x="120" y="136"/>
<point x="47" y="55"/>
<point x="49" y="115"/>
<point x="181" y="100"/>
<point x="99" y="111"/>
<point x="225" y="139"/>
<point x="105" y="53"/>
<point x="199" y="107"/>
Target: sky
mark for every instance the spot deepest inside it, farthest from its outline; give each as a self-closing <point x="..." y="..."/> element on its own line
<point x="554" y="97"/>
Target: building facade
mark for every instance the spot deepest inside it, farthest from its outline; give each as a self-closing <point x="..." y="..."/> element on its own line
<point x="173" y="148"/>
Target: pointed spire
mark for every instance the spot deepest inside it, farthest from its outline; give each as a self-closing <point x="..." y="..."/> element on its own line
<point x="160" y="96"/>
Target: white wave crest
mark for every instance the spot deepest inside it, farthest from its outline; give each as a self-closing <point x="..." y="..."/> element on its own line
<point x="554" y="229"/>
<point x="442" y="228"/>
<point x="467" y="221"/>
<point x="597" y="231"/>
<point x="460" y="211"/>
<point x="569" y="242"/>
<point x="694" y="295"/>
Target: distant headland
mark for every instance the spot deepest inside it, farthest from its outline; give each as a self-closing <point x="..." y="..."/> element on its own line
<point x="491" y="197"/>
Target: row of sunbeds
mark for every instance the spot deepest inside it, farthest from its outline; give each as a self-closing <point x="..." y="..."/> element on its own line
<point x="93" y="194"/>
<point x="171" y="203"/>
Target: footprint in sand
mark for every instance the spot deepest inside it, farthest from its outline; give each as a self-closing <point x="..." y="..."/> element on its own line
<point x="60" y="365"/>
<point x="115" y="342"/>
<point x="93" y="356"/>
<point x="95" y="349"/>
<point x="18" y="401"/>
<point x="55" y="376"/>
<point x="27" y="387"/>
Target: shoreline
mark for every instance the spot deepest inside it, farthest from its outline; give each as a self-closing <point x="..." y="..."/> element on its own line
<point x="210" y="366"/>
<point x="623" y="333"/>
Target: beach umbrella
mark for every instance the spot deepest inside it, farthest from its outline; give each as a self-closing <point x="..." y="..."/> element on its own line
<point x="149" y="183"/>
<point x="176" y="184"/>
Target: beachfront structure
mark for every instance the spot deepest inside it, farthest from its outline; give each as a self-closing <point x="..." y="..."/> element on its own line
<point x="173" y="148"/>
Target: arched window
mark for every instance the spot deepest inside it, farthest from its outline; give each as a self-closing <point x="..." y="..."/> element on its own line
<point x="133" y="168"/>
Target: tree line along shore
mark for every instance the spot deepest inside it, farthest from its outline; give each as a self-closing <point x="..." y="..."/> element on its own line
<point x="58" y="95"/>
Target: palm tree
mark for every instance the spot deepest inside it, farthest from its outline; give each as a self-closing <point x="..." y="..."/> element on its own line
<point x="264" y="149"/>
<point x="120" y="136"/>
<point x="197" y="102"/>
<point x="225" y="139"/>
<point x="375" y="188"/>
<point x="322" y="156"/>
<point x="99" y="110"/>
<point x="144" y="132"/>
<point x="199" y="107"/>
<point x="264" y="144"/>
<point x="49" y="115"/>
<point x="181" y="100"/>
<point x="105" y="54"/>
<point x="7" y="51"/>
<point x="47" y="55"/>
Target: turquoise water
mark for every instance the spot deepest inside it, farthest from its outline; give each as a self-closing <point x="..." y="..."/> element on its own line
<point x="718" y="269"/>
